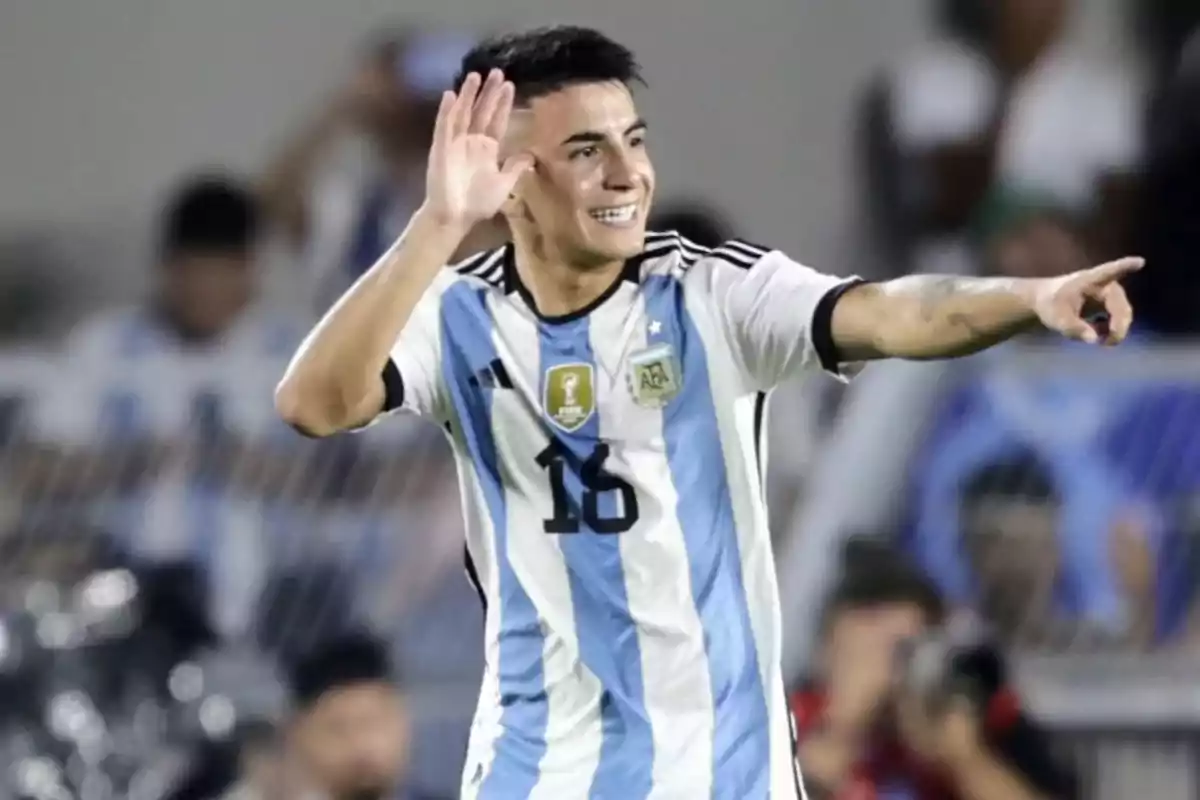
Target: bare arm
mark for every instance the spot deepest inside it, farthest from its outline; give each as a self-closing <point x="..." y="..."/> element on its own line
<point x="284" y="187"/>
<point x="335" y="381"/>
<point x="984" y="777"/>
<point x="923" y="317"/>
<point x="930" y="316"/>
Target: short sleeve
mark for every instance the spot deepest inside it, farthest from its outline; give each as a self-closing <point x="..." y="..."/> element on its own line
<point x="776" y="312"/>
<point x="412" y="377"/>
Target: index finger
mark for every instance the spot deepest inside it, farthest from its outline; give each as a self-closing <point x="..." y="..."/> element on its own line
<point x="1115" y="270"/>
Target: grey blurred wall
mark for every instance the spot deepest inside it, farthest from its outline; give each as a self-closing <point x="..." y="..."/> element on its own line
<point x="103" y="102"/>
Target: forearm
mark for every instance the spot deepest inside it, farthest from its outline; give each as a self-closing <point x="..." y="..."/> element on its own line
<point x="827" y="758"/>
<point x="983" y="777"/>
<point x="925" y="317"/>
<point x="334" y="381"/>
<point x="284" y="185"/>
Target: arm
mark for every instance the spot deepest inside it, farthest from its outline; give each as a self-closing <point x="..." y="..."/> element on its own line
<point x="284" y="186"/>
<point x="981" y="776"/>
<point x="340" y="378"/>
<point x="924" y="317"/>
<point x="336" y="380"/>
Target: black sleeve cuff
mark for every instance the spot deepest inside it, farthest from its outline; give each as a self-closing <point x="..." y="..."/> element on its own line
<point x="393" y="387"/>
<point x="822" y="326"/>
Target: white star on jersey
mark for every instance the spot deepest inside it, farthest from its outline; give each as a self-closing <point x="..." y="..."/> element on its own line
<point x="616" y="526"/>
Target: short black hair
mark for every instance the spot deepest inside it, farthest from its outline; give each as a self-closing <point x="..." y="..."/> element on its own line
<point x="209" y="213"/>
<point x="875" y="573"/>
<point x="545" y="60"/>
<point x="349" y="660"/>
<point x="1021" y="476"/>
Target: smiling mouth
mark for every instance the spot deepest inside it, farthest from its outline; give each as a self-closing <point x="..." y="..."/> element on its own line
<point x="616" y="216"/>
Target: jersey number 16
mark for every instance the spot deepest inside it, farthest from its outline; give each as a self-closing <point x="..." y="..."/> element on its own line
<point x="596" y="482"/>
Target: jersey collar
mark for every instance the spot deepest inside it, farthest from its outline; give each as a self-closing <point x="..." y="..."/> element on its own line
<point x="631" y="273"/>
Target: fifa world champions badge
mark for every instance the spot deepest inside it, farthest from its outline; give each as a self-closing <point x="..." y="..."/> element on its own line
<point x="654" y="376"/>
<point x="569" y="395"/>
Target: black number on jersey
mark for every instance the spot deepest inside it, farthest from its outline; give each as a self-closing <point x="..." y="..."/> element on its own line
<point x="596" y="482"/>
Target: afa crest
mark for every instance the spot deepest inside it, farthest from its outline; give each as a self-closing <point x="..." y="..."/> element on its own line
<point x="654" y="376"/>
<point x="569" y="395"/>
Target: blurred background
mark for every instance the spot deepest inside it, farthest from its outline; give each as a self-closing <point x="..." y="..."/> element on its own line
<point x="184" y="186"/>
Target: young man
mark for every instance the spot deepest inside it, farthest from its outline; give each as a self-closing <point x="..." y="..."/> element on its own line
<point x="863" y="737"/>
<point x="603" y="389"/>
<point x="351" y="732"/>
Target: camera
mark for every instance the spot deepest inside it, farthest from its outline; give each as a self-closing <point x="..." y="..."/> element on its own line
<point x="954" y="662"/>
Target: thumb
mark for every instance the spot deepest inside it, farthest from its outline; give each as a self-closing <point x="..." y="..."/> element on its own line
<point x="1114" y="270"/>
<point x="514" y="167"/>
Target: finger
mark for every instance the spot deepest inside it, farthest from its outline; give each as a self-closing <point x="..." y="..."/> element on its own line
<point x="1076" y="327"/>
<point x="1114" y="270"/>
<point x="464" y="106"/>
<point x="1120" y="314"/>
<point x="485" y="106"/>
<point x="498" y="124"/>
<point x="441" y="126"/>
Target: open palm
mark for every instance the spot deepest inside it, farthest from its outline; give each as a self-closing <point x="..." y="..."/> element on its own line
<point x="465" y="182"/>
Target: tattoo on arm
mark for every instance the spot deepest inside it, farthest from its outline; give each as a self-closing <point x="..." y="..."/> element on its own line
<point x="941" y="316"/>
<point x="937" y="301"/>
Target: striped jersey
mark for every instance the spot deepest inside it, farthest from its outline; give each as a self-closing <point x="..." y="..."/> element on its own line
<point x="612" y="476"/>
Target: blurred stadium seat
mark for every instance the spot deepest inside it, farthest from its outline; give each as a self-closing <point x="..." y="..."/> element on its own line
<point x="116" y="660"/>
<point x="118" y="655"/>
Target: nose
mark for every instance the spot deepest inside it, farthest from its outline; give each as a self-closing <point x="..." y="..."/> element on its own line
<point x="620" y="174"/>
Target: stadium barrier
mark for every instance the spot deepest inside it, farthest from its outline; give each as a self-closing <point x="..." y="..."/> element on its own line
<point x="184" y="459"/>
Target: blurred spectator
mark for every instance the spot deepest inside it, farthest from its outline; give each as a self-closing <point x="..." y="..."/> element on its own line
<point x="1011" y="108"/>
<point x="346" y="183"/>
<point x="351" y="731"/>
<point x="1169" y="236"/>
<point x="1017" y="459"/>
<point x="866" y="730"/>
<point x="693" y="221"/>
<point x="150" y="453"/>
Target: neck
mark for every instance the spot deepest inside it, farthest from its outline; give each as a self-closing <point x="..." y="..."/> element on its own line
<point x="557" y="285"/>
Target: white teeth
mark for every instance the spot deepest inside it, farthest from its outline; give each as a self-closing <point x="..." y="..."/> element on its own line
<point x="617" y="214"/>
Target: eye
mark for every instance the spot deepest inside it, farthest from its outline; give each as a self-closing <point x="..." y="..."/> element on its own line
<point x="637" y="140"/>
<point x="584" y="152"/>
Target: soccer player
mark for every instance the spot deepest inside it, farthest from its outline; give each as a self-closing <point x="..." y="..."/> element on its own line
<point x="604" y="389"/>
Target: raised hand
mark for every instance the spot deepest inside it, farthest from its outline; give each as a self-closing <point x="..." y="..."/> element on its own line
<point x="1065" y="304"/>
<point x="465" y="181"/>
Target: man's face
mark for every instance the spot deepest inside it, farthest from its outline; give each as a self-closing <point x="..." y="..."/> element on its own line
<point x="354" y="741"/>
<point x="1012" y="547"/>
<point x="589" y="195"/>
<point x="860" y="656"/>
<point x="206" y="292"/>
<point x="874" y="633"/>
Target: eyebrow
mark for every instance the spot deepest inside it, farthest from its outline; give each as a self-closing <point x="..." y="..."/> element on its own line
<point x="592" y="137"/>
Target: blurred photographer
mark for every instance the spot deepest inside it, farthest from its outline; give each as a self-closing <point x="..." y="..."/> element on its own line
<point x="352" y="732"/>
<point x="905" y="706"/>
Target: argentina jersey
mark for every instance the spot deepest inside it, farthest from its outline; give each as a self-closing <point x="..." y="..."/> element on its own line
<point x="612" y="479"/>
